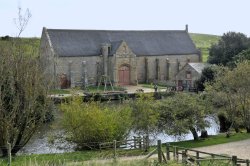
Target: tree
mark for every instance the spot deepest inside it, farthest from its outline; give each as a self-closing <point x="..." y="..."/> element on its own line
<point x="232" y="90"/>
<point x="207" y="75"/>
<point x="229" y="45"/>
<point x="183" y="113"/>
<point x="144" y="114"/>
<point x="23" y="96"/>
<point x="90" y="123"/>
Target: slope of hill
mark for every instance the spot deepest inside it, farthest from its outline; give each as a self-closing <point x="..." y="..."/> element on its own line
<point x="204" y="42"/>
<point x="29" y="45"/>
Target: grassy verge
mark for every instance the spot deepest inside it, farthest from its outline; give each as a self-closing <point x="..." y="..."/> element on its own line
<point x="101" y="88"/>
<point x="59" y="91"/>
<point x="63" y="158"/>
<point x="80" y="157"/>
<point x="212" y="140"/>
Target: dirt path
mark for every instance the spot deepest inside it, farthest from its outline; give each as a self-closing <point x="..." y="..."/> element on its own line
<point x="241" y="149"/>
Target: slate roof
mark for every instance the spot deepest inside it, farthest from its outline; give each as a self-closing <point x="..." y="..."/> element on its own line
<point x="88" y="42"/>
<point x="198" y="66"/>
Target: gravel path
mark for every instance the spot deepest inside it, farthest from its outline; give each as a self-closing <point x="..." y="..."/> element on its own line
<point x="241" y="149"/>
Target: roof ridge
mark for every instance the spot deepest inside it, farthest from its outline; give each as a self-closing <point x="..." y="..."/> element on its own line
<point x="103" y="30"/>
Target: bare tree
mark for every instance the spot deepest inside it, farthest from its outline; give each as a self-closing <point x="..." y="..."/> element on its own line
<point x="23" y="93"/>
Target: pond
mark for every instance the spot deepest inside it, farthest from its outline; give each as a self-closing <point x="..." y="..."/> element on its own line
<point x="50" y="139"/>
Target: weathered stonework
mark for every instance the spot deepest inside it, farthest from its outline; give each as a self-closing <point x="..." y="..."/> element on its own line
<point x="115" y="59"/>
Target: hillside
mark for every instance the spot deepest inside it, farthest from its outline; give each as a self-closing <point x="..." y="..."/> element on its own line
<point x="29" y="45"/>
<point x="204" y="42"/>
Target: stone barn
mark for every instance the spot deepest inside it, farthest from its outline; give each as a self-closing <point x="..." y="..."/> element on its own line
<point x="77" y="57"/>
<point x="186" y="77"/>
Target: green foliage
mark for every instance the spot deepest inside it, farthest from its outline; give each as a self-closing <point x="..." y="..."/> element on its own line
<point x="229" y="45"/>
<point x="91" y="123"/>
<point x="204" y="42"/>
<point x="23" y="95"/>
<point x="242" y="56"/>
<point x="231" y="93"/>
<point x="183" y="113"/>
<point x="207" y="75"/>
<point x="144" y="115"/>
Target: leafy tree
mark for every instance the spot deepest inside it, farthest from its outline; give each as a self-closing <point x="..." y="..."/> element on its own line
<point x="231" y="90"/>
<point x="229" y="45"/>
<point x="183" y="113"/>
<point x="90" y="123"/>
<point x="144" y="114"/>
<point x="23" y="96"/>
<point x="242" y="56"/>
<point x="207" y="75"/>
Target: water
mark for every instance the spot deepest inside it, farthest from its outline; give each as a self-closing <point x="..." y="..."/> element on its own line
<point x="51" y="139"/>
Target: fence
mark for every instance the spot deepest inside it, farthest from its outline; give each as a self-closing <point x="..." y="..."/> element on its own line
<point x="193" y="157"/>
<point x="135" y="143"/>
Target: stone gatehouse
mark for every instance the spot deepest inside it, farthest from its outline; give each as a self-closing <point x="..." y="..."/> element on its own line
<point x="76" y="57"/>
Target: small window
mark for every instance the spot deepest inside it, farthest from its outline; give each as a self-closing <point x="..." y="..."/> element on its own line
<point x="188" y="74"/>
<point x="109" y="49"/>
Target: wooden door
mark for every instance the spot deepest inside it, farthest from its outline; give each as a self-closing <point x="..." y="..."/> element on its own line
<point x="124" y="76"/>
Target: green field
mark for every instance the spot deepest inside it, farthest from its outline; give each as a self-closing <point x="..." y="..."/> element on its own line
<point x="204" y="42"/>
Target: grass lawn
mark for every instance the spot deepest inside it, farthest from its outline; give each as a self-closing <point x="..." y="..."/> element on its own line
<point x="101" y="88"/>
<point x="212" y="140"/>
<point x="59" y="91"/>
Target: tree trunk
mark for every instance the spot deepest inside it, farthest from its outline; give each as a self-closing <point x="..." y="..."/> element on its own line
<point x="194" y="132"/>
<point x="4" y="152"/>
<point x="248" y="129"/>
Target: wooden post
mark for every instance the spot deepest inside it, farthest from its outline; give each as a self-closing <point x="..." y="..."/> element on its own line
<point x="147" y="143"/>
<point x="144" y="142"/>
<point x="234" y="160"/>
<point x="247" y="163"/>
<point x="197" y="157"/>
<point x="134" y="142"/>
<point x="174" y="152"/>
<point x="9" y="153"/>
<point x="177" y="153"/>
<point x="184" y="157"/>
<point x="167" y="151"/>
<point x="114" y="145"/>
<point x="159" y="151"/>
<point x="140" y="140"/>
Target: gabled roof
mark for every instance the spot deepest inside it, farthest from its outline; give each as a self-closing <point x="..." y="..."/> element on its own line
<point x="88" y="42"/>
<point x="198" y="66"/>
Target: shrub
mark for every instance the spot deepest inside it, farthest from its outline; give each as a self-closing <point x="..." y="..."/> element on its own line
<point x="91" y="123"/>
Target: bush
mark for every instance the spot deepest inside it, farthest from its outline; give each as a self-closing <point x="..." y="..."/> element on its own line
<point x="89" y="124"/>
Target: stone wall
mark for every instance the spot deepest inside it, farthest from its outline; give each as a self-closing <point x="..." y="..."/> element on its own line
<point x="73" y="67"/>
<point x="152" y="72"/>
<point x="47" y="58"/>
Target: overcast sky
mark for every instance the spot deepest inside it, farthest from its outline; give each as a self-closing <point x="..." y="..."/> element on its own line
<point x="208" y="17"/>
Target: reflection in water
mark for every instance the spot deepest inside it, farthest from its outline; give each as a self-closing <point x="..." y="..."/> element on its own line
<point x="51" y="139"/>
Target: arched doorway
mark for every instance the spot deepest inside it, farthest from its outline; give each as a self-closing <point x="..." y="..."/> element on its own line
<point x="124" y="75"/>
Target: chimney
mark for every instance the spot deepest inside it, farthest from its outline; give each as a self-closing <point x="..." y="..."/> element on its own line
<point x="186" y="28"/>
